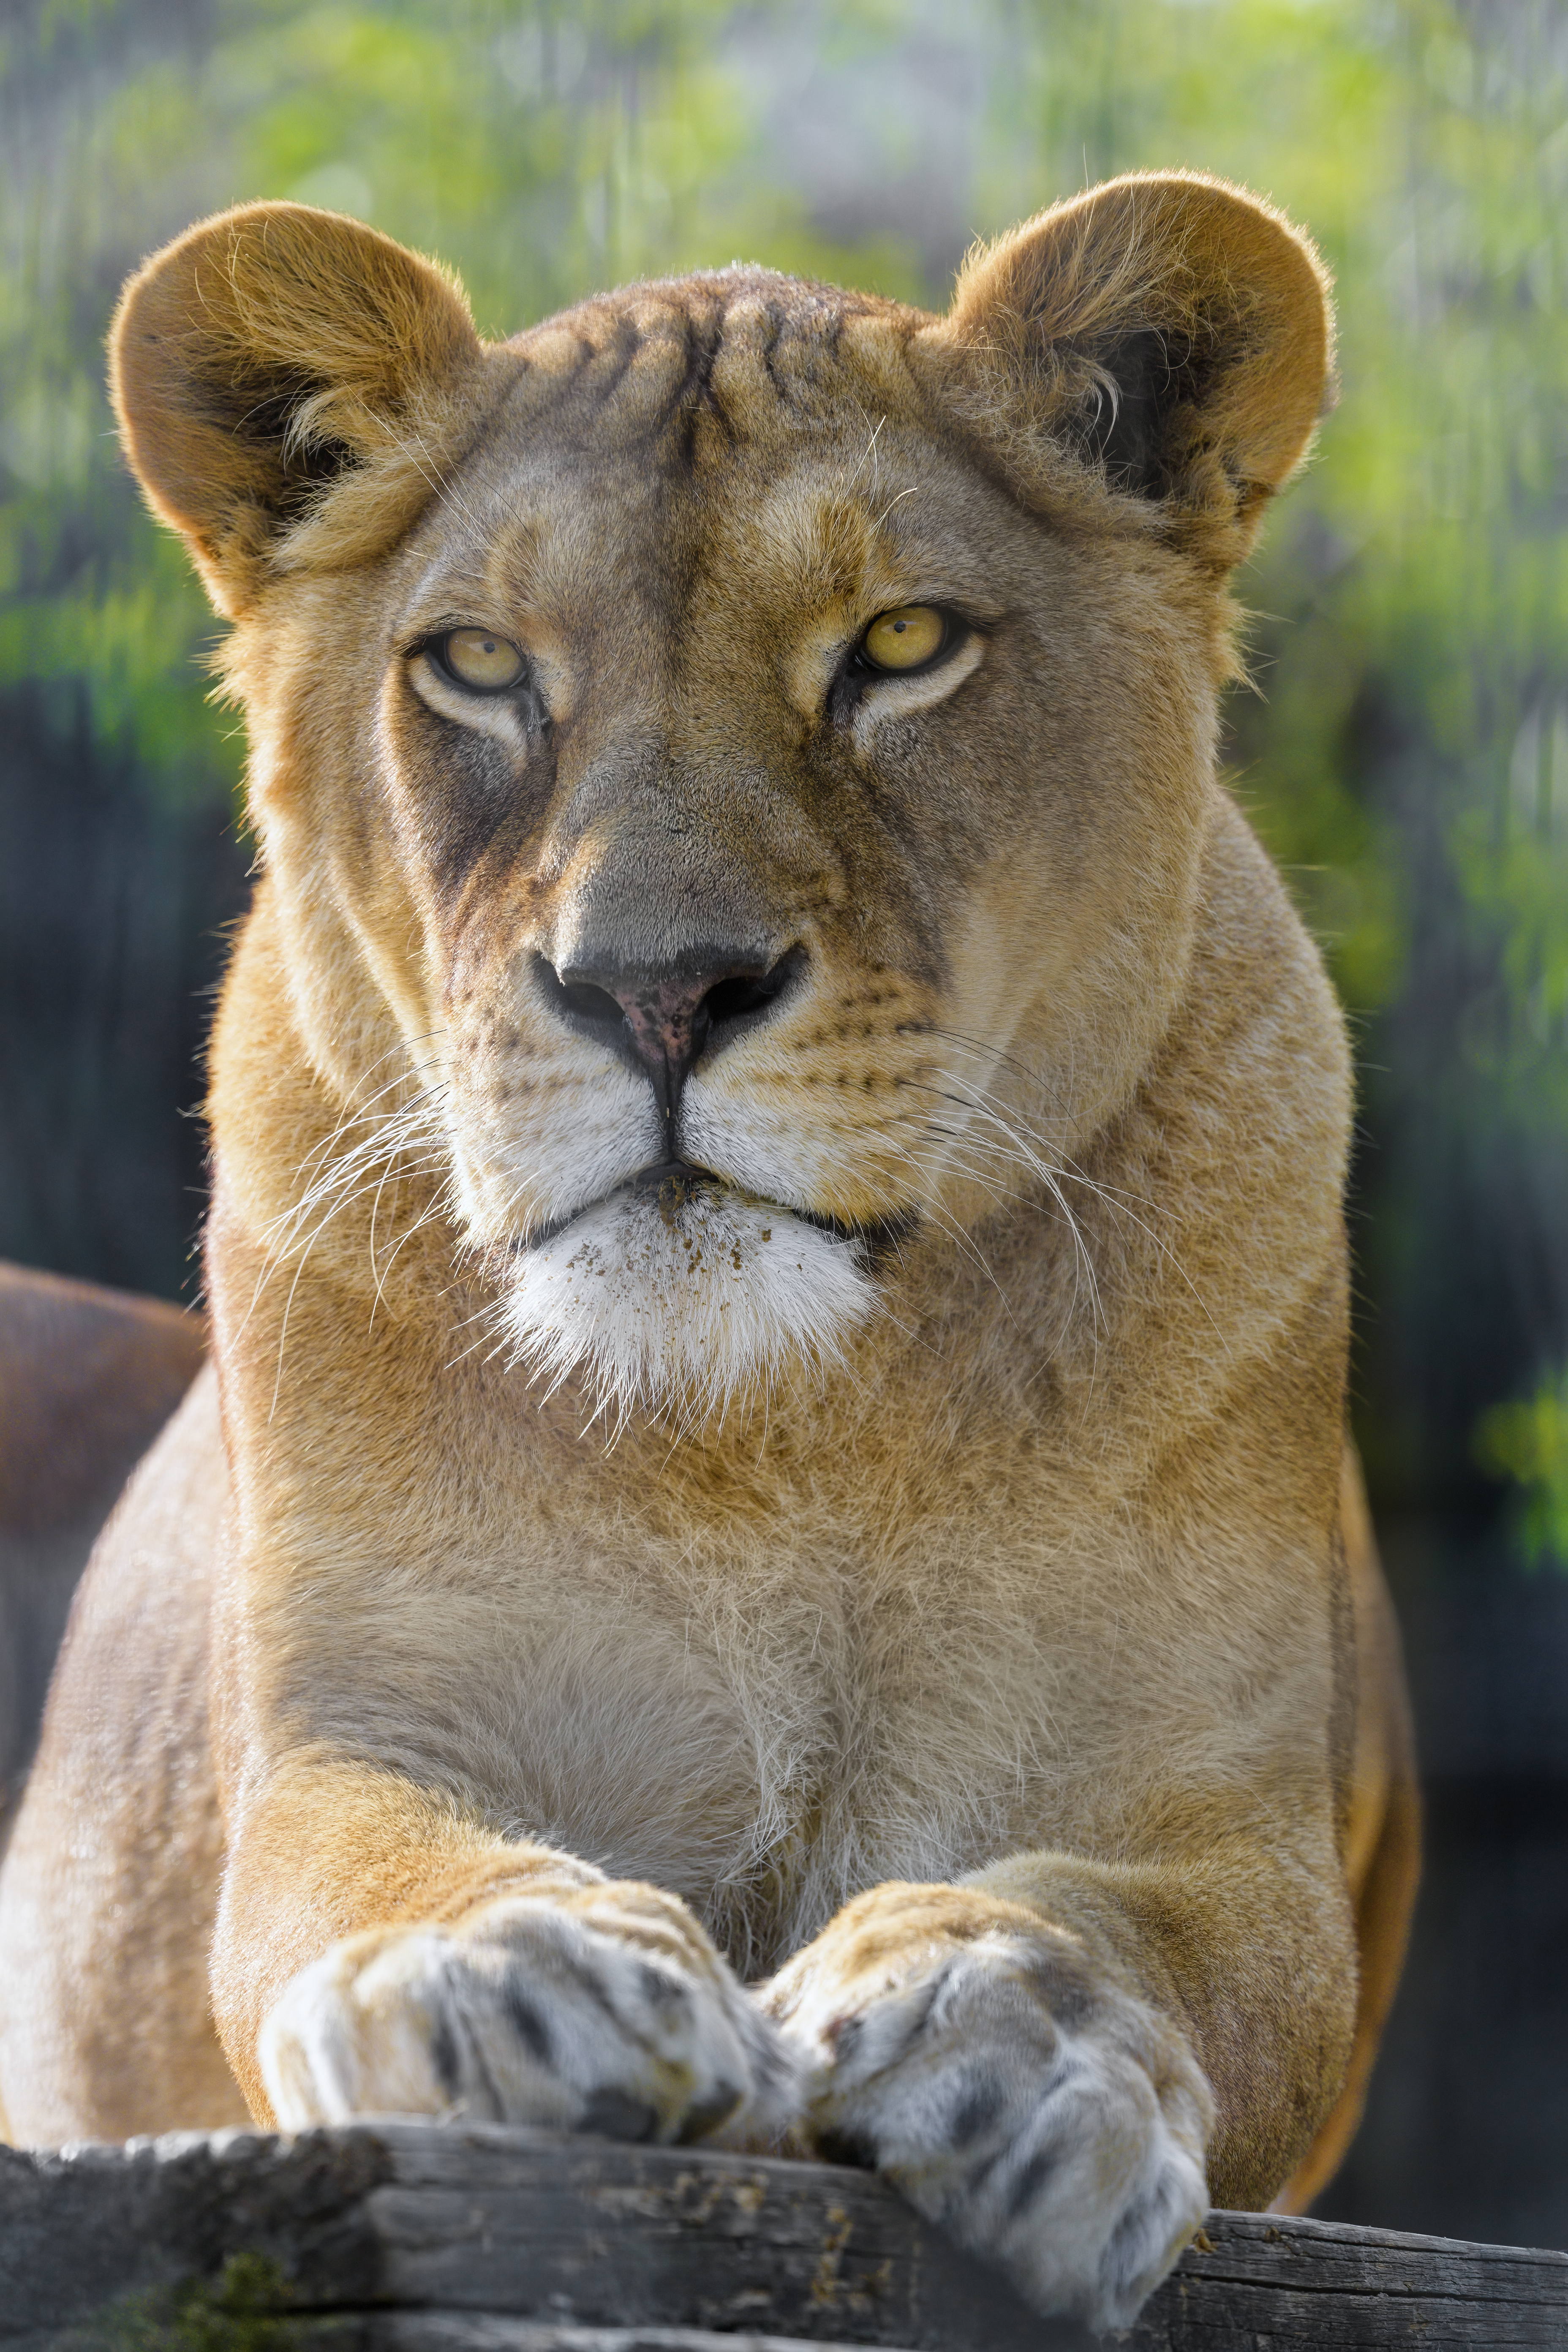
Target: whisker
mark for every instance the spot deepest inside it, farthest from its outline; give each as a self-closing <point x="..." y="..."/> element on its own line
<point x="1062" y="1170"/>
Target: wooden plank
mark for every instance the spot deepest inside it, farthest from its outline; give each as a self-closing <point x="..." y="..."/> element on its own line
<point x="445" y="2331"/>
<point x="1290" y="2285"/>
<point x="407" y="2237"/>
<point x="525" y="2224"/>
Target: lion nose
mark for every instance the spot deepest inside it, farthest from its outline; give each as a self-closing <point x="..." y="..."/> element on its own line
<point x="664" y="1021"/>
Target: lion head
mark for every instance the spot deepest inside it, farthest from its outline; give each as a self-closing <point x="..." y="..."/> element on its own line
<point x="729" y="764"/>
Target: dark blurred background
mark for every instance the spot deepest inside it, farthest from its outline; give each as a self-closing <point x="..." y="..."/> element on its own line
<point x="1402" y="746"/>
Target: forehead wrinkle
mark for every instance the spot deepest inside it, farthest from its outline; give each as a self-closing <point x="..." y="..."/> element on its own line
<point x="625" y="369"/>
<point x="666" y="372"/>
<point x="732" y="345"/>
<point x="608" y="529"/>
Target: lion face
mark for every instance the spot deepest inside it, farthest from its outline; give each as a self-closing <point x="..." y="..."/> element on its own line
<point x="749" y="816"/>
<point x="726" y="920"/>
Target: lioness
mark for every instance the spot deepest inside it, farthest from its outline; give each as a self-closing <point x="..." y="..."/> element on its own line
<point x="766" y="1555"/>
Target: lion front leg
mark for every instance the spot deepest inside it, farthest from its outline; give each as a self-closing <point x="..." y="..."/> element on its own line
<point x="434" y="1969"/>
<point x="1004" y="2064"/>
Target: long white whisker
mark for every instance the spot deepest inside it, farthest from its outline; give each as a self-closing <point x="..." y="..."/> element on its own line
<point x="407" y="1146"/>
<point x="1061" y="1169"/>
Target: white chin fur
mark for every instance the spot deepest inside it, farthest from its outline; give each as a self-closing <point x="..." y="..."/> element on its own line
<point x="685" y="1302"/>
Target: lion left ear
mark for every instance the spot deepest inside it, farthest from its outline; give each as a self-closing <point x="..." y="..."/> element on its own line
<point x="274" y="355"/>
<point x="1168" y="330"/>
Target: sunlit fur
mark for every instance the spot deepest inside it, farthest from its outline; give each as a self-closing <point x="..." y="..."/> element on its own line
<point x="688" y="1302"/>
<point x="838" y="1603"/>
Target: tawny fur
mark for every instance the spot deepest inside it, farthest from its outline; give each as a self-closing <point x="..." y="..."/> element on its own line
<point x="999" y="1593"/>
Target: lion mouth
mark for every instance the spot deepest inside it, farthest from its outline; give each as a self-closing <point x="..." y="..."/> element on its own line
<point x="672" y="1183"/>
<point x="682" y="1294"/>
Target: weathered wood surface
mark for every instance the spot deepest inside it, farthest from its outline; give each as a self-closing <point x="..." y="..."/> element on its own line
<point x="405" y="2237"/>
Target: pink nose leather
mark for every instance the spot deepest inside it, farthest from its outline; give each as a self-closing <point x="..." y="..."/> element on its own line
<point x="660" y="1019"/>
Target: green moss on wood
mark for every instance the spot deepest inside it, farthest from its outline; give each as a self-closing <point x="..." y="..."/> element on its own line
<point x="246" y="2309"/>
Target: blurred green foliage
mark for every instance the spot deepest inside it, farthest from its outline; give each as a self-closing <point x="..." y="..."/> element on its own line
<point x="1403" y="744"/>
<point x="1527" y="1442"/>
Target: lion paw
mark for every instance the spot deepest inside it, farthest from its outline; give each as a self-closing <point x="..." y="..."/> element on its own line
<point x="1043" y="2115"/>
<point x="604" y="2010"/>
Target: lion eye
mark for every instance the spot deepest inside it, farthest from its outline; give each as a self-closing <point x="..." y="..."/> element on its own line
<point x="906" y="638"/>
<point x="480" y="660"/>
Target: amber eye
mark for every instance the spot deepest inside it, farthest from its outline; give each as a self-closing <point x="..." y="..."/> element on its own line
<point x="480" y="660"/>
<point x="905" y="638"/>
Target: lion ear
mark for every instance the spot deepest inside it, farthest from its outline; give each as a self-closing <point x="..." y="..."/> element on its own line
<point x="267" y="355"/>
<point x="1168" y="330"/>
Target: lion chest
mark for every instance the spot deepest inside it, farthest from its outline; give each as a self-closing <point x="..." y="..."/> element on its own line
<point x="765" y="1736"/>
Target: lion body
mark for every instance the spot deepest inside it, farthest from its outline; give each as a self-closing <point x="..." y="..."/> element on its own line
<point x="923" y="1534"/>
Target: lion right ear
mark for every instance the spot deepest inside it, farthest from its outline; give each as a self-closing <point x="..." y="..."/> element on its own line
<point x="270" y="359"/>
<point x="1167" y="332"/>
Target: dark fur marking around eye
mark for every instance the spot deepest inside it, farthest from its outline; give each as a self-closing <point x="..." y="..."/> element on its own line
<point x="847" y="690"/>
<point x="854" y="674"/>
<point x="476" y="806"/>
